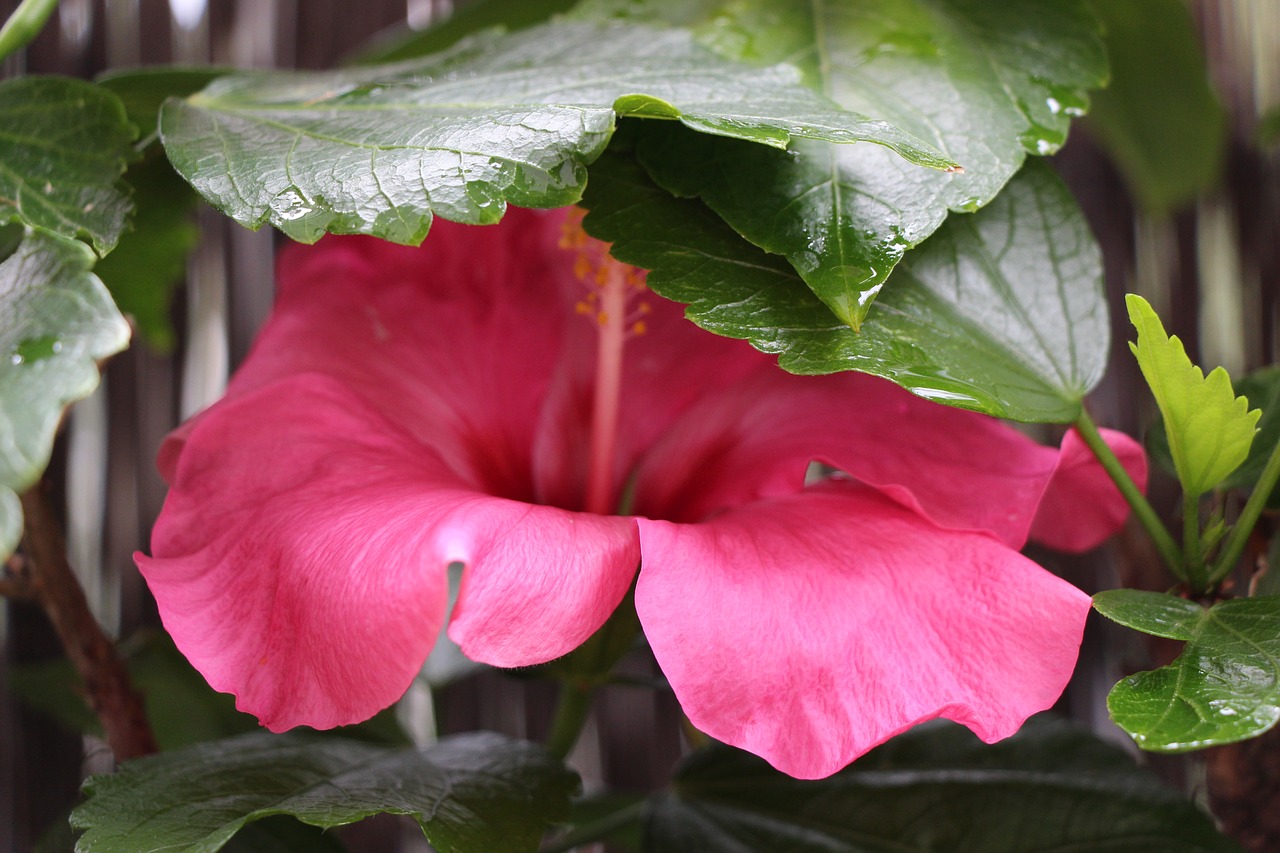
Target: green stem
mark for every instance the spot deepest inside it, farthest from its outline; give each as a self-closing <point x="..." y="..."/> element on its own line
<point x="1142" y="510"/>
<point x="25" y="24"/>
<point x="1248" y="518"/>
<point x="1197" y="572"/>
<point x="597" y="831"/>
<point x="571" y="715"/>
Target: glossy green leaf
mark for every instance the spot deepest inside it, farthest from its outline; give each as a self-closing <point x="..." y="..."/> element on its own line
<point x="56" y="322"/>
<point x="63" y="149"/>
<point x="477" y="793"/>
<point x="1000" y="312"/>
<point x="1155" y="613"/>
<point x="1159" y="118"/>
<point x="1224" y="687"/>
<point x="150" y="260"/>
<point x="499" y="118"/>
<point x="985" y="81"/>
<point x="1209" y="428"/>
<point x="936" y="789"/>
<point x="404" y="43"/>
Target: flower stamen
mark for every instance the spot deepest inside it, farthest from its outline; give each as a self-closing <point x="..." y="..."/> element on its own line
<point x="611" y="288"/>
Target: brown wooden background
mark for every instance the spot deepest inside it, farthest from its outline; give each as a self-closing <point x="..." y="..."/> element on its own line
<point x="1212" y="271"/>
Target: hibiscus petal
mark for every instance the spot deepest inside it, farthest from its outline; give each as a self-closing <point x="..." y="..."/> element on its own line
<point x="807" y="629"/>
<point x="455" y="342"/>
<point x="959" y="469"/>
<point x="299" y="561"/>
<point x="1082" y="507"/>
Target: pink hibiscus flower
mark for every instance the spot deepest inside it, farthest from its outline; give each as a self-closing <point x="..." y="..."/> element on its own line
<point x="526" y="408"/>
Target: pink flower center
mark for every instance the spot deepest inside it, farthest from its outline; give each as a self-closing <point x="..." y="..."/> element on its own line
<point x="613" y="303"/>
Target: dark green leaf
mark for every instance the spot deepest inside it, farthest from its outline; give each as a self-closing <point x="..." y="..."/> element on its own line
<point x="478" y="793"/>
<point x="1155" y="613"/>
<point x="615" y="818"/>
<point x="1159" y="118"/>
<point x="497" y="119"/>
<point x="182" y="707"/>
<point x="466" y="19"/>
<point x="984" y="80"/>
<point x="1224" y="687"/>
<point x="151" y="258"/>
<point x="144" y="90"/>
<point x="62" y="151"/>
<point x="281" y="834"/>
<point x="24" y="24"/>
<point x="1001" y="312"/>
<point x="1268" y="129"/>
<point x="936" y="789"/>
<point x="56" y="321"/>
<point x="1262" y="388"/>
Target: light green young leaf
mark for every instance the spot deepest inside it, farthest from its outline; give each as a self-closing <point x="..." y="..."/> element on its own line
<point x="63" y="150"/>
<point x="1209" y="428"/>
<point x="496" y="119"/>
<point x="56" y="322"/>
<point x="1224" y="687"/>
<point x="470" y="793"/>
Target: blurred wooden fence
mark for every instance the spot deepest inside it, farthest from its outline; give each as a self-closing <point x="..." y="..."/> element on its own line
<point x="1213" y="272"/>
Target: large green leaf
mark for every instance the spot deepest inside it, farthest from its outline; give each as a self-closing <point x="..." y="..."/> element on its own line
<point x="478" y="793"/>
<point x="1000" y="312"/>
<point x="1209" y="428"/>
<point x="936" y="789"/>
<point x="150" y="260"/>
<point x="56" y="321"/>
<point x="1159" y="118"/>
<point x="497" y="119"/>
<point x="143" y="91"/>
<point x="1224" y="687"/>
<point x="404" y="43"/>
<point x="985" y="81"/>
<point x="63" y="147"/>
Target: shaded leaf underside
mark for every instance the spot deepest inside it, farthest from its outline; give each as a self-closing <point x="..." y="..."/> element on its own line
<point x="1001" y="312"/>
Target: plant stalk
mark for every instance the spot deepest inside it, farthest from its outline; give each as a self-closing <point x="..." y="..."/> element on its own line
<point x="1197" y="572"/>
<point x="1142" y="509"/>
<point x="56" y="588"/>
<point x="570" y="717"/>
<point x="1244" y="525"/>
<point x="24" y="25"/>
